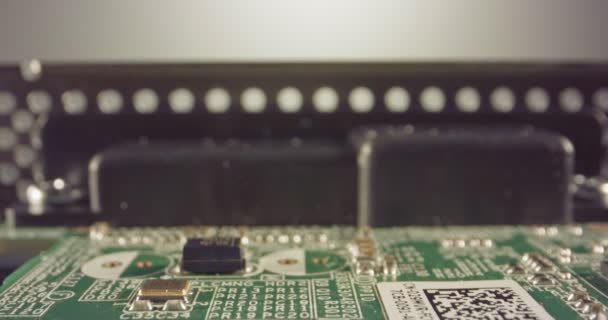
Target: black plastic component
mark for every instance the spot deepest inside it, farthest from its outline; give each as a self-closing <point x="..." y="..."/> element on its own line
<point x="252" y="183"/>
<point x="15" y="252"/>
<point x="212" y="255"/>
<point x="52" y="216"/>
<point x="463" y="175"/>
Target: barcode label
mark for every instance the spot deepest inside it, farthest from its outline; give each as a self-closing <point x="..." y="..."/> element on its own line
<point x="447" y="300"/>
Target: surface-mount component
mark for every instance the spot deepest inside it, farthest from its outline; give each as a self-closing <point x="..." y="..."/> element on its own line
<point x="141" y="305"/>
<point x="596" y="311"/>
<point x="164" y="289"/>
<point x="212" y="255"/>
<point x="514" y="268"/>
<point x="540" y="279"/>
<point x="578" y="295"/>
<point x="536" y="262"/>
<point x="174" y="305"/>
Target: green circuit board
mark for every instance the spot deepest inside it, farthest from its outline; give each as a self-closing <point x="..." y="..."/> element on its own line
<point x="497" y="272"/>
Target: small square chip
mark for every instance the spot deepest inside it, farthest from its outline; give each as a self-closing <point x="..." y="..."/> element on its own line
<point x="162" y="290"/>
<point x="213" y="255"/>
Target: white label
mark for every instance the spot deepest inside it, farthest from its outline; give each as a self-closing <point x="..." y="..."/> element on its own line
<point x="440" y="300"/>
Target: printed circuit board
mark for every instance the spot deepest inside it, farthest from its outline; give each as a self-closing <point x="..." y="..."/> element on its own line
<point x="204" y="272"/>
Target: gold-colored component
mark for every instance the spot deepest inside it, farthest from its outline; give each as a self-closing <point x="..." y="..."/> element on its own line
<point x="163" y="290"/>
<point x="143" y="264"/>
<point x="320" y="261"/>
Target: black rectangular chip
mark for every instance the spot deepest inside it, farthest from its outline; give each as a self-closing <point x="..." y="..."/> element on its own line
<point x="212" y="255"/>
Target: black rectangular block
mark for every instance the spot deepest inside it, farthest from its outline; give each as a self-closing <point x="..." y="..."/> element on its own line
<point x="225" y="183"/>
<point x="463" y="175"/>
<point x="212" y="255"/>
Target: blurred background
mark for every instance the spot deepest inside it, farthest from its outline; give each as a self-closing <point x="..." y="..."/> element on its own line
<point x="274" y="30"/>
<point x="316" y="112"/>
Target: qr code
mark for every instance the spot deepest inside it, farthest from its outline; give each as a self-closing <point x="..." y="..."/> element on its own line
<point x="463" y="300"/>
<point x="479" y="303"/>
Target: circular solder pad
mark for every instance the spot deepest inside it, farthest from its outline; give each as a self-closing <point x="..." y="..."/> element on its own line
<point x="300" y="262"/>
<point x="125" y="264"/>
